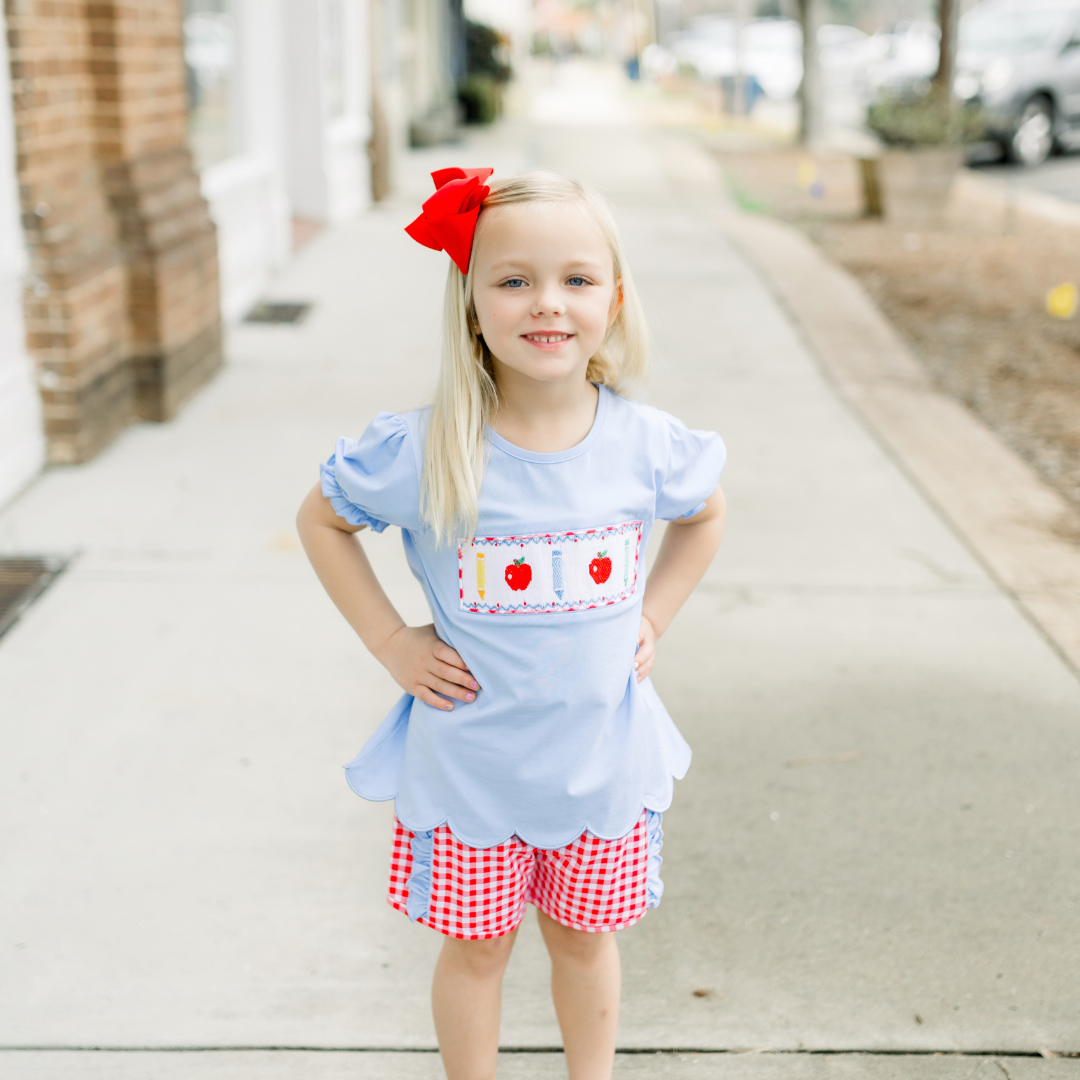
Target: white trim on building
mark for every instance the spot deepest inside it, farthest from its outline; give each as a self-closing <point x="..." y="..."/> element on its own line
<point x="302" y="102"/>
<point x="329" y="106"/>
<point x="22" y="438"/>
<point x="247" y="192"/>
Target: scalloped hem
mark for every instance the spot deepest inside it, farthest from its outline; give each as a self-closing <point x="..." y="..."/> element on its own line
<point x="376" y="774"/>
<point x="648" y="805"/>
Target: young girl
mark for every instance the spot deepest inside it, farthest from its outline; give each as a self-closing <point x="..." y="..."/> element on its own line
<point x="530" y="758"/>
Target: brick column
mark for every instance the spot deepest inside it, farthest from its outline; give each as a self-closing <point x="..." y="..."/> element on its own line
<point x="122" y="308"/>
<point x="164" y="225"/>
<point x="75" y="304"/>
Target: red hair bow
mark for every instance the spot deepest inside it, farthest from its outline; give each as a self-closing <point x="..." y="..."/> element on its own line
<point x="449" y="218"/>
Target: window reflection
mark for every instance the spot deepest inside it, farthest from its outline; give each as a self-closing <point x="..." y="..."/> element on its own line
<point x="210" y="58"/>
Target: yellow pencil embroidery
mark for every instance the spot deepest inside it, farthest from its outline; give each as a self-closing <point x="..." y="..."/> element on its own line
<point x="480" y="583"/>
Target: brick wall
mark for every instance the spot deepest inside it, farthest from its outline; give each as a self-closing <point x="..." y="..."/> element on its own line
<point x="122" y="300"/>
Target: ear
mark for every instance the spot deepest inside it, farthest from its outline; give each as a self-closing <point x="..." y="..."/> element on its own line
<point x="616" y="304"/>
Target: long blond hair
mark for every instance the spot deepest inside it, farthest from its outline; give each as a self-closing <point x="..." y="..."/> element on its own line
<point x="466" y="396"/>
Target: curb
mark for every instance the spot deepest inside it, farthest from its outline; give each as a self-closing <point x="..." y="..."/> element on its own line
<point x="1010" y="520"/>
<point x="1010" y="197"/>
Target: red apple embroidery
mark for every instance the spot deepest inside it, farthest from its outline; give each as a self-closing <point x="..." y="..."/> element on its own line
<point x="600" y="568"/>
<point x="519" y="574"/>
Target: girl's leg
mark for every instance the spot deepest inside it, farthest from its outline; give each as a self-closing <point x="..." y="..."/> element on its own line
<point x="585" y="978"/>
<point x="465" y="998"/>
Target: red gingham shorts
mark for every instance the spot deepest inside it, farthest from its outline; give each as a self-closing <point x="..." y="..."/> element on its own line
<point x="480" y="893"/>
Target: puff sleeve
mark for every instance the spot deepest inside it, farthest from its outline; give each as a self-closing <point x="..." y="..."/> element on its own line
<point x="374" y="480"/>
<point x="695" y="460"/>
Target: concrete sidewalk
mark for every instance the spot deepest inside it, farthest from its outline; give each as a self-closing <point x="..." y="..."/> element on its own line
<point x="874" y="849"/>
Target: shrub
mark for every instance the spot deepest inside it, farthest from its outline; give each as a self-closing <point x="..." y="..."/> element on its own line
<point x="483" y="53"/>
<point x="481" y="99"/>
<point x="480" y="91"/>
<point x="927" y="120"/>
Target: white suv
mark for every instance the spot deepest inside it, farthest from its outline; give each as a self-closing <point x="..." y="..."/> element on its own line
<point x="1020" y="61"/>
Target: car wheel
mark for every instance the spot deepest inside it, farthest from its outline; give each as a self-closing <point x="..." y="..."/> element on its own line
<point x="1034" y="136"/>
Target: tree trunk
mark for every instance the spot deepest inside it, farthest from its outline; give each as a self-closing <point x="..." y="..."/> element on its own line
<point x="810" y="112"/>
<point x="738" y="103"/>
<point x="949" y="21"/>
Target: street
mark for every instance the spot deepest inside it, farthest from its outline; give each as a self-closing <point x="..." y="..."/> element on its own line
<point x="1059" y="175"/>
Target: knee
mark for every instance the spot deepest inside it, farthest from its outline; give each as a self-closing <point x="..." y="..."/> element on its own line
<point x="576" y="947"/>
<point x="480" y="959"/>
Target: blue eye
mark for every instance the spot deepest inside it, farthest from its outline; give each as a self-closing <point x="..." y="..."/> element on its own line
<point x="514" y="283"/>
<point x="576" y="280"/>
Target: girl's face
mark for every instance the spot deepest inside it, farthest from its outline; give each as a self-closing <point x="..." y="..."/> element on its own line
<point x="544" y="288"/>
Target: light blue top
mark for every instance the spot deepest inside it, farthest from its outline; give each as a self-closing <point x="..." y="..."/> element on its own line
<point x="543" y="605"/>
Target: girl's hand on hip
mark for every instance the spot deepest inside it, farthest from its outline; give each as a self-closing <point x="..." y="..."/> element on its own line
<point x="646" y="649"/>
<point x="423" y="665"/>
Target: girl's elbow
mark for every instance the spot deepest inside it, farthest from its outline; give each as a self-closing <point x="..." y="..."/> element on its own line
<point x="310" y="510"/>
<point x="719" y="507"/>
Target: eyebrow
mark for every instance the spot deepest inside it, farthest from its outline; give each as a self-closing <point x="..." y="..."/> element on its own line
<point x="574" y="264"/>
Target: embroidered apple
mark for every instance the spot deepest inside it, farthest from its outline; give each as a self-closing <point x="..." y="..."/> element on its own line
<point x="600" y="568"/>
<point x="519" y="575"/>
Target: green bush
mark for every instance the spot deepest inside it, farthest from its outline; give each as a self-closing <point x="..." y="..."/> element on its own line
<point x="483" y="53"/>
<point x="480" y="91"/>
<point x="929" y="120"/>
<point x="481" y="99"/>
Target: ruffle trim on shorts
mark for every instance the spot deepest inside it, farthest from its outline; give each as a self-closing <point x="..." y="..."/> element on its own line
<point x="419" y="903"/>
<point x="654" y="887"/>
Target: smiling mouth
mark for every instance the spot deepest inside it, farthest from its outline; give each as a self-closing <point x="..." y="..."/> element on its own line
<point x="547" y="339"/>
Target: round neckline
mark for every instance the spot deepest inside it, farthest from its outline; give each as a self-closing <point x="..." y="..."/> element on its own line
<point x="563" y="455"/>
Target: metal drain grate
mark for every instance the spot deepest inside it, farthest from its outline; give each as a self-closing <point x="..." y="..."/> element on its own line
<point x="278" y="312"/>
<point x="23" y="578"/>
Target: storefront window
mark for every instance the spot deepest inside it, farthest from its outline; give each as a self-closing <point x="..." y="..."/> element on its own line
<point x="210" y="58"/>
<point x="334" y="56"/>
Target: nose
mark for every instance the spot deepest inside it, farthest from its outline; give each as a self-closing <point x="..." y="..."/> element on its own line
<point x="549" y="300"/>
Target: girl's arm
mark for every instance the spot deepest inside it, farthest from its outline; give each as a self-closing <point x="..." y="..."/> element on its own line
<point x="418" y="660"/>
<point x="688" y="547"/>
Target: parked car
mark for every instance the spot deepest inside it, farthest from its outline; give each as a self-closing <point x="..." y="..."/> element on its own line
<point x="772" y="52"/>
<point x="1020" y="61"/>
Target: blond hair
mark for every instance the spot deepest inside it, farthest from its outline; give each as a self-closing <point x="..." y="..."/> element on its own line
<point x="466" y="396"/>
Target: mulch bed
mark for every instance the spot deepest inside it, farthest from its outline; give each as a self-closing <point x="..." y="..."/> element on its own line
<point x="969" y="296"/>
